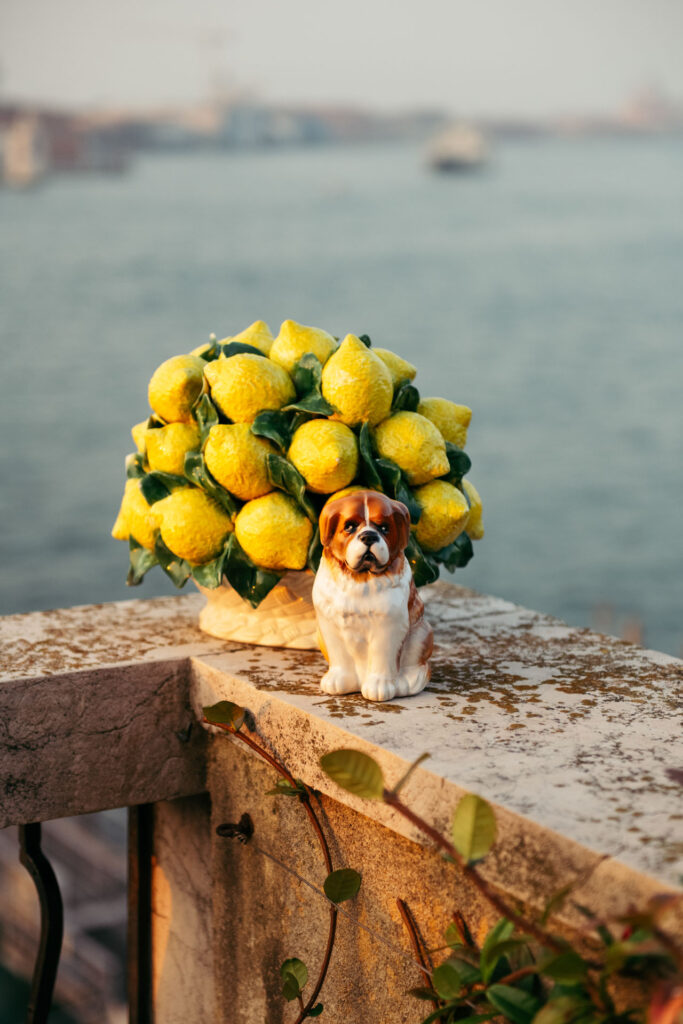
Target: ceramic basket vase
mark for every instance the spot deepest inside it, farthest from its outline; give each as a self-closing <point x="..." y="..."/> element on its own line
<point x="285" y="618"/>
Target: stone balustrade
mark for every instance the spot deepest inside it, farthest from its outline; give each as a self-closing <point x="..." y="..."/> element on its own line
<point x="569" y="734"/>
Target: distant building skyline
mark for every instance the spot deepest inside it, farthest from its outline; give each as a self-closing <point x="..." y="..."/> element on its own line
<point x="533" y="58"/>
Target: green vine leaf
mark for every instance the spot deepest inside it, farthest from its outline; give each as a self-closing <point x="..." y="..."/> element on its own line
<point x="276" y="426"/>
<point x="251" y="582"/>
<point x="566" y="1009"/>
<point x="225" y="712"/>
<point x="519" y="1007"/>
<point x="475" y="1018"/>
<point x="315" y="1011"/>
<point x="355" y="772"/>
<point x="290" y="988"/>
<point x="296" y="969"/>
<point x="284" y="788"/>
<point x="141" y="561"/>
<point x="566" y="968"/>
<point x="421" y="992"/>
<point x="283" y="475"/>
<point x="342" y="885"/>
<point x="452" y="976"/>
<point x="473" y="829"/>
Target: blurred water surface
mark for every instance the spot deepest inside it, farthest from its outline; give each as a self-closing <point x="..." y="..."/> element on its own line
<point x="546" y="293"/>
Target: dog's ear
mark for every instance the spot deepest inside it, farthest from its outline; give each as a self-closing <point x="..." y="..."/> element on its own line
<point x="402" y="518"/>
<point x="328" y="522"/>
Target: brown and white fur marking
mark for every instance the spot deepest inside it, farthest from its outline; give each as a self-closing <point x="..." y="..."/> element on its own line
<point x="370" y="615"/>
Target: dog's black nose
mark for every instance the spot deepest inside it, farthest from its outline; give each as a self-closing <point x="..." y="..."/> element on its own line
<point x="368" y="537"/>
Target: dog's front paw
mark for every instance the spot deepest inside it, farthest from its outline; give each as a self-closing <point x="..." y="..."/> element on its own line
<point x="378" y="687"/>
<point x="338" y="680"/>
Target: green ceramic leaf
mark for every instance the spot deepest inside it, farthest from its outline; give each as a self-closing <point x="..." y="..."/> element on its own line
<point x="211" y="573"/>
<point x="283" y="475"/>
<point x="197" y="473"/>
<point x="276" y="426"/>
<point x="455" y="555"/>
<point x="371" y="477"/>
<point x="250" y="582"/>
<point x="156" y="485"/>
<point x="135" y="465"/>
<point x="211" y="350"/>
<point x="307" y="377"/>
<point x="425" y="570"/>
<point x="365" y="338"/>
<point x="175" y="568"/>
<point x="206" y="415"/>
<point x="474" y="828"/>
<point x="225" y="712"/>
<point x="459" y="461"/>
<point x="236" y="348"/>
<point x="141" y="561"/>
<point x="342" y="885"/>
<point x="394" y="484"/>
<point x="355" y="772"/>
<point x="406" y="398"/>
<point x="315" y="550"/>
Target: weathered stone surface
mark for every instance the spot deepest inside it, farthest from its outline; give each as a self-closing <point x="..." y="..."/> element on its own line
<point x="94" y="708"/>
<point x="182" y="912"/>
<point x="569" y="733"/>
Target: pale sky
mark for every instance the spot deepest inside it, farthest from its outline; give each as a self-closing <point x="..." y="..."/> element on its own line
<point x="527" y="57"/>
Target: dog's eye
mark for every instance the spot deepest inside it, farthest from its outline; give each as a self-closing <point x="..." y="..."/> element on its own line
<point x="349" y="527"/>
<point x="382" y="527"/>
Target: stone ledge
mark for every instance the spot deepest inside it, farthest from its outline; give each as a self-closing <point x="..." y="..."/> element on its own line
<point x="567" y="732"/>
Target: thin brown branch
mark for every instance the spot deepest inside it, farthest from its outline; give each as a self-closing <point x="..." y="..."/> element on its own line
<point x="305" y="798"/>
<point x="411" y="928"/>
<point x="503" y="908"/>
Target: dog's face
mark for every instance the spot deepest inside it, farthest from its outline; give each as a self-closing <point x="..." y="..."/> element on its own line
<point x="365" y="531"/>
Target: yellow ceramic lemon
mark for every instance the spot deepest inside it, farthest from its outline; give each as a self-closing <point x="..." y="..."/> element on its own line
<point x="444" y="514"/>
<point x="175" y="386"/>
<point x="236" y="458"/>
<point x="136" y="518"/>
<point x="400" y="369"/>
<point x="414" y="444"/>
<point x="274" y="532"/>
<point x="475" y="526"/>
<point x="295" y="340"/>
<point x="167" y="446"/>
<point x="257" y="335"/>
<point x="245" y="385"/>
<point x="451" y="419"/>
<point x="193" y="525"/>
<point x="326" y="454"/>
<point x="357" y="383"/>
<point x="344" y="491"/>
<point x="138" y="432"/>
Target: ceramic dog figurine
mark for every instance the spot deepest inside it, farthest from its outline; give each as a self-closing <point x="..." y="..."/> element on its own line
<point x="370" y="615"/>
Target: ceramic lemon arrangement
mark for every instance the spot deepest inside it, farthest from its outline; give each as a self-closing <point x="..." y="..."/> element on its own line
<point x="250" y="436"/>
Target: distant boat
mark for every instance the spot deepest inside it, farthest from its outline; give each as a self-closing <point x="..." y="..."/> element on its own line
<point x="461" y="147"/>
